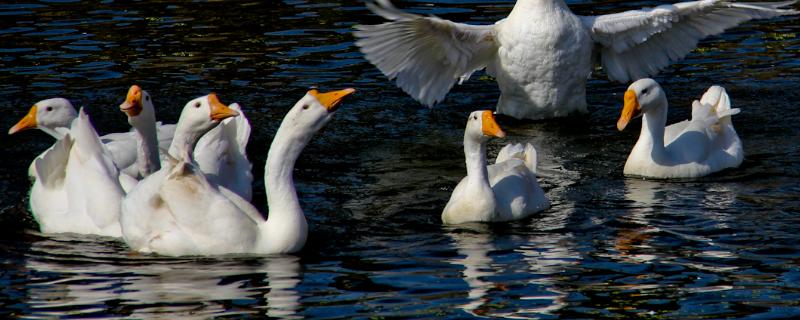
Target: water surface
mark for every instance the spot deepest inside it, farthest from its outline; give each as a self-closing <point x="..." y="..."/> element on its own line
<point x="374" y="182"/>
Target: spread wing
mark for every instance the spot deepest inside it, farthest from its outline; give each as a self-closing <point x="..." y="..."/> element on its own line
<point x="639" y="43"/>
<point x="427" y="55"/>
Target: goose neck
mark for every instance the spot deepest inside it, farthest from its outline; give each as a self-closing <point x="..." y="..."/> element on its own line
<point x="148" y="159"/>
<point x="475" y="156"/>
<point x="653" y="127"/>
<point x="183" y="143"/>
<point x="281" y="194"/>
<point x="52" y="132"/>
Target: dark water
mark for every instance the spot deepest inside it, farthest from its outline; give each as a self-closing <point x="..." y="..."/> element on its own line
<point x="374" y="182"/>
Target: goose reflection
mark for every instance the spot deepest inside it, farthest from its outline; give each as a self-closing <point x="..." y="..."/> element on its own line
<point x="544" y="255"/>
<point x="84" y="277"/>
<point x="548" y="253"/>
<point x="474" y="243"/>
<point x="647" y="198"/>
<point x="283" y="276"/>
<point x="654" y="206"/>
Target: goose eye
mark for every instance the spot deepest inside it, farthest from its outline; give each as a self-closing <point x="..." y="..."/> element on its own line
<point x="474" y="117"/>
<point x="644" y="91"/>
<point x="305" y="107"/>
<point x="147" y="98"/>
<point x="49" y="108"/>
<point x="197" y="104"/>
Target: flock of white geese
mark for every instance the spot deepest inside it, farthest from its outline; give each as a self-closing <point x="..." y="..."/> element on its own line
<point x="185" y="189"/>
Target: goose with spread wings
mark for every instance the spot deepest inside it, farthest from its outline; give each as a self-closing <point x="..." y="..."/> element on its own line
<point x="542" y="54"/>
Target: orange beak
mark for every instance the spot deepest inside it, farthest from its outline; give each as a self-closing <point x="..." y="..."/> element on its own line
<point x="331" y="100"/>
<point x="630" y="110"/>
<point x="133" y="102"/>
<point x="27" y="122"/>
<point x="490" y="126"/>
<point x="219" y="111"/>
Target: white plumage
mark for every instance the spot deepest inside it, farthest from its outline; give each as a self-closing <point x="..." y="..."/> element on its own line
<point x="542" y="53"/>
<point x="54" y="116"/>
<point x="76" y="187"/>
<point x="693" y="148"/>
<point x="222" y="154"/>
<point x="504" y="191"/>
<point x="179" y="210"/>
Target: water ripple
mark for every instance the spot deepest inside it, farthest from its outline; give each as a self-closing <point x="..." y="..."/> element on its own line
<point x="374" y="182"/>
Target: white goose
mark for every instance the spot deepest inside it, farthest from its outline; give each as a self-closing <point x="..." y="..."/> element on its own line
<point x="689" y="149"/>
<point x="220" y="153"/>
<point x="178" y="211"/>
<point x="76" y="187"/>
<point x="504" y="191"/>
<point x="54" y="116"/>
<point x="542" y="54"/>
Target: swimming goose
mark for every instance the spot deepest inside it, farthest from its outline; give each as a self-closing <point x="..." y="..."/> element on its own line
<point x="504" y="191"/>
<point x="76" y="187"/>
<point x="220" y="153"/>
<point x="178" y="211"/>
<point x="542" y="54"/>
<point x="692" y="148"/>
<point x="54" y="116"/>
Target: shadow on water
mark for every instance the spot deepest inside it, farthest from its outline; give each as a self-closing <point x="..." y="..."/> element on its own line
<point x="374" y="182"/>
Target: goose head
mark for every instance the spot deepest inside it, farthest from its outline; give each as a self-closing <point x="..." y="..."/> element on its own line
<point x="204" y="113"/>
<point x="138" y="106"/>
<point x="642" y="96"/>
<point x="198" y="116"/>
<point x="47" y="114"/>
<point x="314" y="110"/>
<point x="481" y="125"/>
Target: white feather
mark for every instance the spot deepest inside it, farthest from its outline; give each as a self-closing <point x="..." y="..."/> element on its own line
<point x="426" y="55"/>
<point x="640" y="43"/>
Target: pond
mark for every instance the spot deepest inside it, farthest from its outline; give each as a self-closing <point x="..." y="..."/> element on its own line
<point x="374" y="182"/>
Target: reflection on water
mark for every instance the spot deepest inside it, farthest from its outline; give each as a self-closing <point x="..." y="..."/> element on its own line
<point x="475" y="247"/>
<point x="374" y="183"/>
<point x="540" y="260"/>
<point x="65" y="283"/>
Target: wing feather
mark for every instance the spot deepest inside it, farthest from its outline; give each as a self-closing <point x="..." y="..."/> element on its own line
<point x="640" y="43"/>
<point x="50" y="167"/>
<point x="427" y="55"/>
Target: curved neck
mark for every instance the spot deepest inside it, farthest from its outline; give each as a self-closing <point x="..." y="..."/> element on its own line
<point x="652" y="134"/>
<point x="286" y="226"/>
<point x="147" y="158"/>
<point x="475" y="156"/>
<point x="52" y="132"/>
<point x="281" y="194"/>
<point x="183" y="143"/>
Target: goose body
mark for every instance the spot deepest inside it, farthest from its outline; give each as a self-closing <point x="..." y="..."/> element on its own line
<point x="504" y="191"/>
<point x="693" y="148"/>
<point x="542" y="54"/>
<point x="178" y="210"/>
<point x="76" y="187"/>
